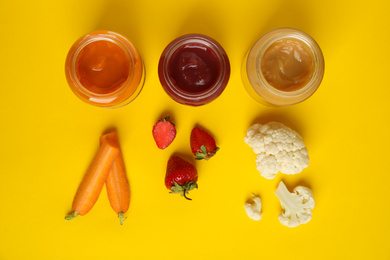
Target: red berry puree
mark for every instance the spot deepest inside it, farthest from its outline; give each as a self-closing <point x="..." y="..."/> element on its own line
<point x="194" y="67"/>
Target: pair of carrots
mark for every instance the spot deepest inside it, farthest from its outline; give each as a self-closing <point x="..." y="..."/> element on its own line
<point x="107" y="167"/>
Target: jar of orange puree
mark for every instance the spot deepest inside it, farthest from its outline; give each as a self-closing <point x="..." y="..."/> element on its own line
<point x="284" y="67"/>
<point x="104" y="69"/>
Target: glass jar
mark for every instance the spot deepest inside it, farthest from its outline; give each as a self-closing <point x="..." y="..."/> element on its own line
<point x="194" y="69"/>
<point x="104" y="69"/>
<point x="284" y="67"/>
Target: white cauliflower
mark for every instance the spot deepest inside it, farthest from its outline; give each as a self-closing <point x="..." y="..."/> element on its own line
<point x="253" y="208"/>
<point x="278" y="149"/>
<point x="296" y="206"/>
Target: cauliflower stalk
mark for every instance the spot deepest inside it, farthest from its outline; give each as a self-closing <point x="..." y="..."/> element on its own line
<point x="296" y="206"/>
<point x="253" y="208"/>
<point x="278" y="149"/>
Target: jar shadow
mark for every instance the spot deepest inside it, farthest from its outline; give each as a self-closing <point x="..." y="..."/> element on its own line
<point x="290" y="14"/>
<point x="122" y="18"/>
<point x="202" y="24"/>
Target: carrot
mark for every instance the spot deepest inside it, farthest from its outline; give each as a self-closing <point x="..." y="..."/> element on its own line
<point x="93" y="181"/>
<point x="117" y="185"/>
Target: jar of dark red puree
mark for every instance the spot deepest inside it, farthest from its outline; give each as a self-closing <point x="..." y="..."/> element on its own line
<point x="194" y="69"/>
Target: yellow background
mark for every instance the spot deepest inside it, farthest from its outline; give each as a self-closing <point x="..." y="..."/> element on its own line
<point x="48" y="137"/>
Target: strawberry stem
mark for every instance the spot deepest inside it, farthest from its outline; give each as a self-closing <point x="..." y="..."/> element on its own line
<point x="184" y="194"/>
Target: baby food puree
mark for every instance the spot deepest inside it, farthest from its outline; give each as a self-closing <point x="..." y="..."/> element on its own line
<point x="287" y="64"/>
<point x="194" y="69"/>
<point x="104" y="69"/>
<point x="284" y="67"/>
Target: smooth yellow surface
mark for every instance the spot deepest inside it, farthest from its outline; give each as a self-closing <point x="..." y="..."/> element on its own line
<point x="48" y="137"/>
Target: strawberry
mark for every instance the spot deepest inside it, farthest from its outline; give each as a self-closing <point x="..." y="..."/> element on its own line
<point x="202" y="144"/>
<point x="164" y="132"/>
<point x="181" y="176"/>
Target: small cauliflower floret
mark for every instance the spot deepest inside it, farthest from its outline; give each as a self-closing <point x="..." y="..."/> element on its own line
<point x="278" y="149"/>
<point x="253" y="208"/>
<point x="296" y="206"/>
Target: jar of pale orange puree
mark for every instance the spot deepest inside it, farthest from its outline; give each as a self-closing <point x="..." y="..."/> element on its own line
<point x="284" y="67"/>
<point x="104" y="69"/>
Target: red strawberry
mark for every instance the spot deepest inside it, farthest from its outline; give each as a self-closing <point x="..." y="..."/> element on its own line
<point x="181" y="176"/>
<point x="164" y="132"/>
<point x="202" y="144"/>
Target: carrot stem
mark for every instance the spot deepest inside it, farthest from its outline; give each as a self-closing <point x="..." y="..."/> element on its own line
<point x="71" y="215"/>
<point x="121" y="218"/>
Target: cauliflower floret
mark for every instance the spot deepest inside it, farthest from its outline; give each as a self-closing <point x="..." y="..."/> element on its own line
<point x="253" y="208"/>
<point x="278" y="149"/>
<point x="296" y="206"/>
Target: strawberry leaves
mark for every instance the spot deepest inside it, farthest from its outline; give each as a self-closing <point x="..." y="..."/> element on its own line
<point x="204" y="155"/>
<point x="184" y="189"/>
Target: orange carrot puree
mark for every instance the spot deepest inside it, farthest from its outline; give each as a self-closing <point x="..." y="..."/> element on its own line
<point x="102" y="67"/>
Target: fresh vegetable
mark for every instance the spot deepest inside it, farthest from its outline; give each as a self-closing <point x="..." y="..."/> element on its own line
<point x="181" y="176"/>
<point x="202" y="144"/>
<point x="278" y="148"/>
<point x="296" y="206"/>
<point x="253" y="208"/>
<point x="117" y="184"/>
<point x="93" y="181"/>
<point x="164" y="132"/>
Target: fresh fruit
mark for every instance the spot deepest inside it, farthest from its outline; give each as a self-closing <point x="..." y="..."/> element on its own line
<point x="202" y="144"/>
<point x="181" y="176"/>
<point x="164" y="132"/>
